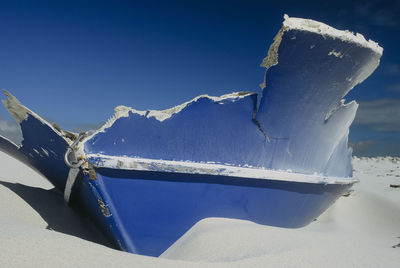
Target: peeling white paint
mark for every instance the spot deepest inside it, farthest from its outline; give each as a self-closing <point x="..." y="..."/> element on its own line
<point x="326" y="30"/>
<point x="143" y="164"/>
<point x="316" y="27"/>
<point x="45" y="151"/>
<point x="20" y="113"/>
<point x="272" y="57"/>
<point x="162" y="115"/>
<point x="335" y="53"/>
<point x="15" y="108"/>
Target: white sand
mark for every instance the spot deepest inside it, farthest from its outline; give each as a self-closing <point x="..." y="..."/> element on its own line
<point x="38" y="230"/>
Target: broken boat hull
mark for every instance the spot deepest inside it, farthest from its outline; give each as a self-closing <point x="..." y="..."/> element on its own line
<point x="145" y="212"/>
<point x="161" y="181"/>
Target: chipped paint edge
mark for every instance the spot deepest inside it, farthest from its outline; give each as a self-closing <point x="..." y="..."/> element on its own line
<point x="186" y="167"/>
<point x="317" y="27"/>
<point x="326" y="30"/>
<point x="161" y="115"/>
<point x="20" y="113"/>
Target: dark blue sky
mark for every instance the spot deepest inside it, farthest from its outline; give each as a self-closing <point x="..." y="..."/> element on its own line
<point x="74" y="61"/>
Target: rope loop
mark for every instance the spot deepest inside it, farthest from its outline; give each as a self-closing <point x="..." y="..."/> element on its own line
<point x="70" y="158"/>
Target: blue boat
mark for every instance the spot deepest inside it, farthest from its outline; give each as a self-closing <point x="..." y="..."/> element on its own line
<point x="146" y="177"/>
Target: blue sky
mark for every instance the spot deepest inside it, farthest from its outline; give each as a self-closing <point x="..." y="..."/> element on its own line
<point x="73" y="61"/>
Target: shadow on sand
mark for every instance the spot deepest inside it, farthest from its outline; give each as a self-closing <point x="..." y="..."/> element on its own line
<point x="59" y="216"/>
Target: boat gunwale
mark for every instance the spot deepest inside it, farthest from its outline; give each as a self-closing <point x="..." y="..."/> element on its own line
<point x="125" y="163"/>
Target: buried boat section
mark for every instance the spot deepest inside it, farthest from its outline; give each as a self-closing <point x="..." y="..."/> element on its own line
<point x="146" y="177"/>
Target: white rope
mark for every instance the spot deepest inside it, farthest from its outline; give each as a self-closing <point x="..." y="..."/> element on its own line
<point x="72" y="175"/>
<point x="71" y="161"/>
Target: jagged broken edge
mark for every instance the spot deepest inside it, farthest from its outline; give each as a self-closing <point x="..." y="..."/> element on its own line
<point x="20" y="113"/>
<point x="308" y="25"/>
<point x="161" y="115"/>
<point x="269" y="61"/>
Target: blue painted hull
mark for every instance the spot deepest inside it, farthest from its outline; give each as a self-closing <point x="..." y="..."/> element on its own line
<point x="42" y="149"/>
<point x="145" y="212"/>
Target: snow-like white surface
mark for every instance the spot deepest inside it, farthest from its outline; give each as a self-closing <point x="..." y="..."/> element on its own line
<point x="187" y="167"/>
<point x="38" y="230"/>
<point x="322" y="28"/>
